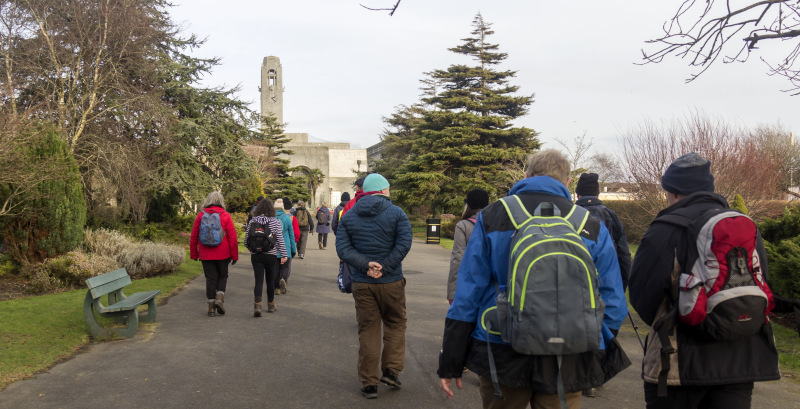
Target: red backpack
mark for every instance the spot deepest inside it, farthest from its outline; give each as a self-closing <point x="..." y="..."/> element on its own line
<point x="722" y="290"/>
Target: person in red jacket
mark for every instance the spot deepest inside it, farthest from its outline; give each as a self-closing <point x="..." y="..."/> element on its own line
<point x="215" y="259"/>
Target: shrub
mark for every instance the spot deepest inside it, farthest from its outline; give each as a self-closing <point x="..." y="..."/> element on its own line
<point x="104" y="242"/>
<point x="151" y="259"/>
<point x="144" y="259"/>
<point x="55" y="211"/>
<point x="7" y="265"/>
<point x="633" y="216"/>
<point x="738" y="204"/>
<point x="72" y="269"/>
<point x="449" y="228"/>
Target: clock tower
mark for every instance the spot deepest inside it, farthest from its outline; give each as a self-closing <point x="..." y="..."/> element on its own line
<point x="272" y="88"/>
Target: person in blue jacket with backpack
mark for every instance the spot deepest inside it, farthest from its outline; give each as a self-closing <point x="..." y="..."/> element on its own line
<point x="528" y="379"/>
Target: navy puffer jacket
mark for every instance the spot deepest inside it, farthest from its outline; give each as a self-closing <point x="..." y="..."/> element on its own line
<point x="374" y="230"/>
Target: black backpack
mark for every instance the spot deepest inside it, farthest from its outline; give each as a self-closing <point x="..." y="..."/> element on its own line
<point x="260" y="238"/>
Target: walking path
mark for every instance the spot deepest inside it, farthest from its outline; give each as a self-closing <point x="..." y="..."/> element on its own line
<point x="302" y="356"/>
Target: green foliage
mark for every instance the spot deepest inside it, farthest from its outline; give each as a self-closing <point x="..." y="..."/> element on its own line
<point x="243" y="194"/>
<point x="786" y="227"/>
<point x="7" y="265"/>
<point x="279" y="180"/>
<point x="467" y="140"/>
<point x="784" y="267"/>
<point x="55" y="211"/>
<point x="738" y="204"/>
<point x="163" y="207"/>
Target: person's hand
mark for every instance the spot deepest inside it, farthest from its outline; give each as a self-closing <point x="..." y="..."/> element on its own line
<point x="375" y="269"/>
<point x="283" y="260"/>
<point x="445" y="383"/>
<point x="233" y="262"/>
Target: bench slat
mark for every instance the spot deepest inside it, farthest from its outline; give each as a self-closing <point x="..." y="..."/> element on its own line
<point x="106" y="278"/>
<point x="132" y="302"/>
<point x="111" y="286"/>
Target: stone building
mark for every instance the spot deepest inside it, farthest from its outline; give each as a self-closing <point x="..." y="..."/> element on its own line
<point x="337" y="161"/>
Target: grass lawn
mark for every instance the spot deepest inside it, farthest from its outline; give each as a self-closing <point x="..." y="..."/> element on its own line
<point x="37" y="332"/>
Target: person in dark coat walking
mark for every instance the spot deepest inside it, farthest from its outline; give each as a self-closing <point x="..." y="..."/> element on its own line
<point x="475" y="201"/>
<point x="374" y="239"/>
<point x="306" y="224"/>
<point x="703" y="373"/>
<point x="338" y="211"/>
<point x="323" y="225"/>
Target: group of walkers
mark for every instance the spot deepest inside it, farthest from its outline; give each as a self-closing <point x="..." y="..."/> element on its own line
<point x="275" y="234"/>
<point x="547" y="342"/>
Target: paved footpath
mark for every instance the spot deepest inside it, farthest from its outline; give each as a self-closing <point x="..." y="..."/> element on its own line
<point x="302" y="356"/>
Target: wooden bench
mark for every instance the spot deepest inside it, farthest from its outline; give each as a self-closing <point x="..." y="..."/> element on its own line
<point x="121" y="308"/>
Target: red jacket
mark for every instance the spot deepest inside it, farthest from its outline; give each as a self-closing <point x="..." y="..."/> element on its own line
<point x="227" y="249"/>
<point x="353" y="201"/>
<point x="296" y="228"/>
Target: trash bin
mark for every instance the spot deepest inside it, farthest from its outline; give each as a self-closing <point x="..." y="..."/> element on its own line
<point x="434" y="231"/>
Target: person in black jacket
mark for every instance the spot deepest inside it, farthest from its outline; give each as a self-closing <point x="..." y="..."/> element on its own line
<point x="703" y="373"/>
<point x="588" y="191"/>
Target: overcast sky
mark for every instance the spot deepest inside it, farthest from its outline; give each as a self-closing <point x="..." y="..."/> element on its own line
<point x="345" y="67"/>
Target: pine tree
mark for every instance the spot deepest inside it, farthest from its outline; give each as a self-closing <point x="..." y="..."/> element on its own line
<point x="55" y="212"/>
<point x="467" y="139"/>
<point x="277" y="176"/>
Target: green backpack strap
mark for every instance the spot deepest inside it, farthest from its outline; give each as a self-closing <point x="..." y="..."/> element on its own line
<point x="516" y="210"/>
<point x="519" y="215"/>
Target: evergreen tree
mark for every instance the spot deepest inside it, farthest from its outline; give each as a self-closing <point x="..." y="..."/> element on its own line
<point x="277" y="175"/>
<point x="467" y="139"/>
<point x="55" y="212"/>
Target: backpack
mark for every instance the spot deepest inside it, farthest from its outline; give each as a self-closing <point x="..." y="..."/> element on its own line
<point x="322" y="217"/>
<point x="260" y="238"/>
<point x="551" y="302"/>
<point x="302" y="217"/>
<point x="721" y="291"/>
<point x="211" y="232"/>
<point x="603" y="214"/>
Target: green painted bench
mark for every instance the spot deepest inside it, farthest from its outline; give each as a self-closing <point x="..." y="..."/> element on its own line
<point x="120" y="307"/>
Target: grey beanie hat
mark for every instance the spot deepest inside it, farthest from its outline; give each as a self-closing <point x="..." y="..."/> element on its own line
<point x="688" y="174"/>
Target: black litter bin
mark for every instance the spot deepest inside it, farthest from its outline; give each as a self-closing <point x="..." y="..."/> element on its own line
<point x="434" y="231"/>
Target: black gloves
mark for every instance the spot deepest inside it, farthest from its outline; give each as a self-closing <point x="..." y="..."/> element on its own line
<point x="233" y="262"/>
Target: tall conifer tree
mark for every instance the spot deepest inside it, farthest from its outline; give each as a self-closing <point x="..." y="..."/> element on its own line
<point x="467" y="139"/>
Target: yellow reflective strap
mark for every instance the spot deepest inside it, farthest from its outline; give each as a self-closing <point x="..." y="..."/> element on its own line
<point x="527" y="275"/>
<point x="483" y="322"/>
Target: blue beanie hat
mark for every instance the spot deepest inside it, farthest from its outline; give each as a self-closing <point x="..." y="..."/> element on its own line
<point x="688" y="174"/>
<point x="375" y="182"/>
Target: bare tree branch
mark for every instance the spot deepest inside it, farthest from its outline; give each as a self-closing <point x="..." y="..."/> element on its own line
<point x="716" y="23"/>
<point x="391" y="12"/>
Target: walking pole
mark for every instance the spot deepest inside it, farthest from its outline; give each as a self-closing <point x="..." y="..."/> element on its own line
<point x="636" y="330"/>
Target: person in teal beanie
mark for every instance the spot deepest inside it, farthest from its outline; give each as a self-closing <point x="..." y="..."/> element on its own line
<point x="374" y="239"/>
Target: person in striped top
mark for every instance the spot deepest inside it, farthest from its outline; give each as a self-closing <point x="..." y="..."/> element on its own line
<point x="265" y="265"/>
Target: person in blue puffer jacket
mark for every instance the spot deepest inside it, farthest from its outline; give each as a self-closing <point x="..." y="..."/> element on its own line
<point x="374" y="238"/>
<point x="528" y="379"/>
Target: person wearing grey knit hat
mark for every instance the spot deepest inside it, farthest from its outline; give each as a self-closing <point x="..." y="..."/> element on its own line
<point x="688" y="174"/>
<point x="701" y="360"/>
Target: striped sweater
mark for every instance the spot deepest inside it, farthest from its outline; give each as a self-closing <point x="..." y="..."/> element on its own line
<point x="275" y="226"/>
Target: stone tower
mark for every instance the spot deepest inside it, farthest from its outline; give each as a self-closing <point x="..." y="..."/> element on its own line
<point x="272" y="88"/>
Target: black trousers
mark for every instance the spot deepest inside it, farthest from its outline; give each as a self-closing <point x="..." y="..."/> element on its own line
<point x="265" y="268"/>
<point x="283" y="271"/>
<point x="323" y="239"/>
<point x="216" y="272"/>
<point x="731" y="396"/>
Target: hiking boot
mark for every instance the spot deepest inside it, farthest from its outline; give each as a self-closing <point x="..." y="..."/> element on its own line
<point x="302" y="256"/>
<point x="320" y="246"/>
<point x="282" y="286"/>
<point x="219" y="303"/>
<point x="257" y="307"/>
<point x="211" y="308"/>
<point x="271" y="306"/>
<point x="590" y="393"/>
<point x="324" y="248"/>
<point x="390" y="378"/>
<point x="370" y="391"/>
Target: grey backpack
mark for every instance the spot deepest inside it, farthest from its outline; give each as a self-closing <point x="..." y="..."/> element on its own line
<point x="551" y="303"/>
